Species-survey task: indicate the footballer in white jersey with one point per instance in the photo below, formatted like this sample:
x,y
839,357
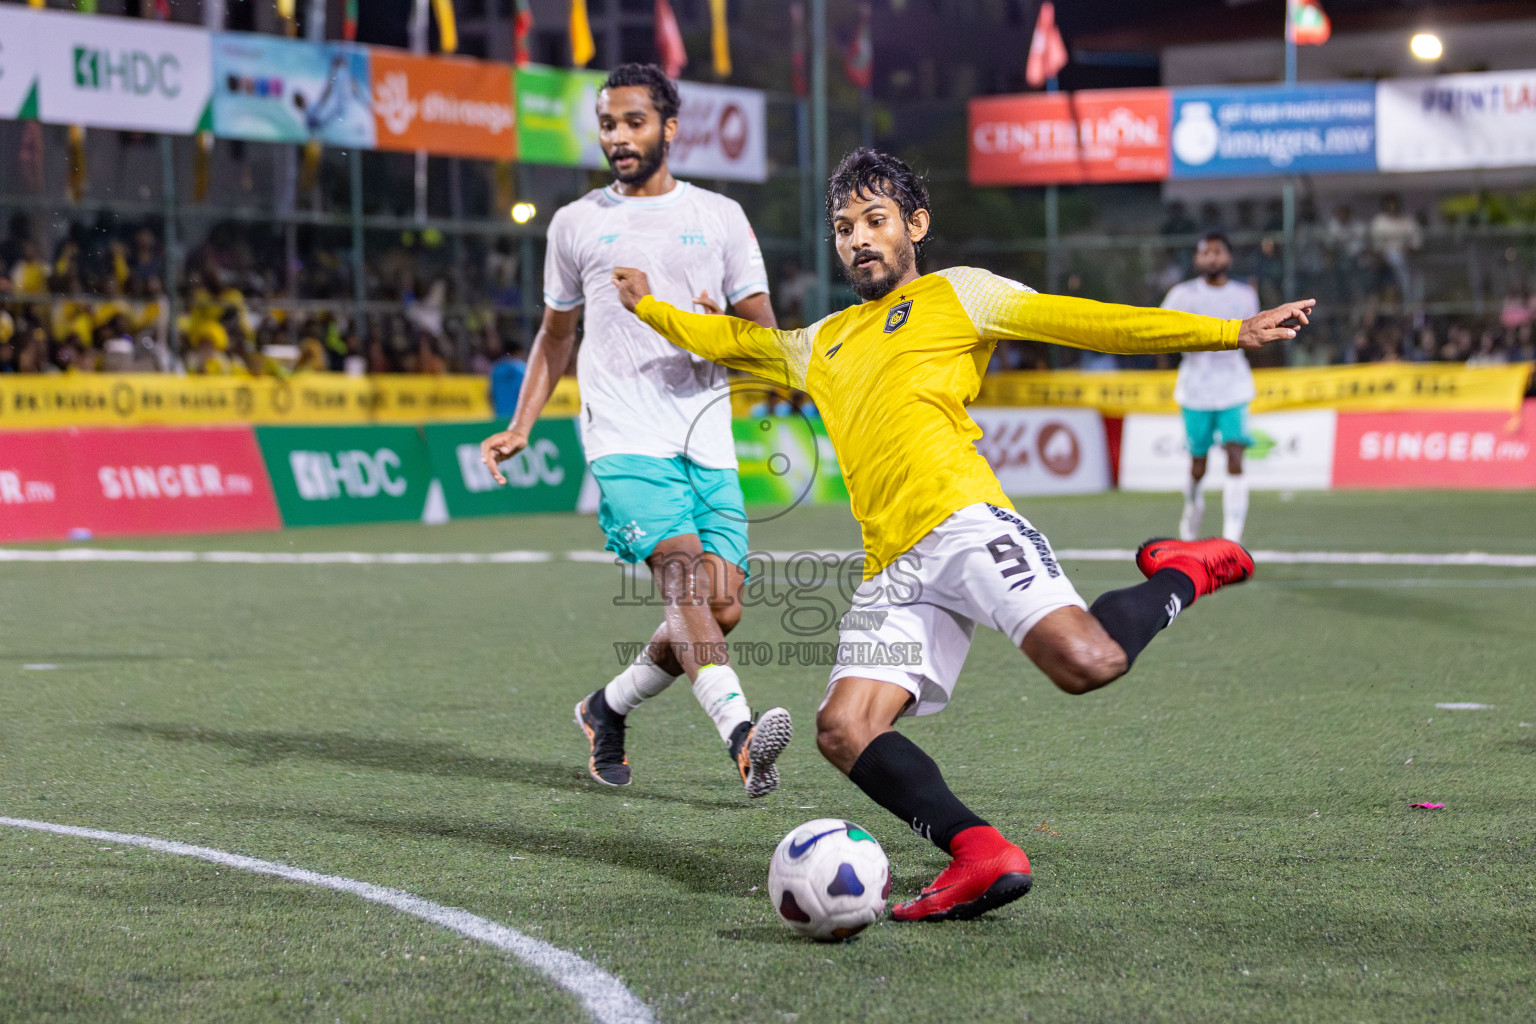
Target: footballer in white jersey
x,y
1214,388
655,420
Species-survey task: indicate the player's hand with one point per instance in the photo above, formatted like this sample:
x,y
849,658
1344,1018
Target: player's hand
x,y
632,284
1270,325
498,448
710,305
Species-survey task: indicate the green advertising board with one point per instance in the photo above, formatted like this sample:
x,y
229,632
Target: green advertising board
x,y
556,119
787,461
362,474
544,477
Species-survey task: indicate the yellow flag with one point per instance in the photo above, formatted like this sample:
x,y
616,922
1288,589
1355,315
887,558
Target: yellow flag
x,y
583,49
720,38
285,10
447,26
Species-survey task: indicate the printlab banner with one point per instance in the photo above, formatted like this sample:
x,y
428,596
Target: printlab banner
x,y
56,484
1253,132
328,475
1456,122
271,89
544,477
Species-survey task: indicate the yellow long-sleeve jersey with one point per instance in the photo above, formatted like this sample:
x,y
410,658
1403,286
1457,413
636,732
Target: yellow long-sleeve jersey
x,y
892,378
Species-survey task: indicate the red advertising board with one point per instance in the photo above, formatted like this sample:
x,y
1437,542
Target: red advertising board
x,y
1436,449
454,107
1070,138
56,484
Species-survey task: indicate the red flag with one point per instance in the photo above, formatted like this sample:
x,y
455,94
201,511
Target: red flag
x,y
349,22
1307,24
522,28
859,58
669,40
798,80
1047,51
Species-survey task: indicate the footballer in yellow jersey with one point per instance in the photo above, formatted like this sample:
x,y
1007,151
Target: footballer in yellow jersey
x,y
945,547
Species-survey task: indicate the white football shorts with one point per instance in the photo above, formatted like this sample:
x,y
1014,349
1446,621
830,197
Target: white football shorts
x,y
911,624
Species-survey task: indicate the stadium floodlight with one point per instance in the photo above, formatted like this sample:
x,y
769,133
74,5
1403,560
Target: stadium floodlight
x,y
1426,46
523,212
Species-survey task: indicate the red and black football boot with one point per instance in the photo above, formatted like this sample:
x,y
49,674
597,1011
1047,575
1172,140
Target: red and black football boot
x,y
605,734
1209,564
987,872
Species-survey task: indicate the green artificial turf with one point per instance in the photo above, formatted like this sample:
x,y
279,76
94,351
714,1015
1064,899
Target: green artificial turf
x,y
1223,835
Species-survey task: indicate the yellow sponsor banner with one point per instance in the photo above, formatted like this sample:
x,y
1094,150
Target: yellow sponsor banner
x,y
1370,387
119,400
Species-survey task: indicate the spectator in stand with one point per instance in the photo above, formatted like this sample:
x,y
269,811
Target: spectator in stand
x,y
1394,234
1344,242
1516,312
795,286
1488,351
508,369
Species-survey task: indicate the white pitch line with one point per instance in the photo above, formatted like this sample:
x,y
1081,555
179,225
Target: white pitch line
x,y
603,995
1464,558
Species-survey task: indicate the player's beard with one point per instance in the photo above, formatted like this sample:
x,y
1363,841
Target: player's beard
x,y
649,162
877,280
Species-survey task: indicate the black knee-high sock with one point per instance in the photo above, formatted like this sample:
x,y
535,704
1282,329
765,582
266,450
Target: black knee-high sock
x,y
896,774
1135,615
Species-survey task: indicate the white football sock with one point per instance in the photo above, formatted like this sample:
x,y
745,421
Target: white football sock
x,y
1194,510
1234,507
719,694
636,685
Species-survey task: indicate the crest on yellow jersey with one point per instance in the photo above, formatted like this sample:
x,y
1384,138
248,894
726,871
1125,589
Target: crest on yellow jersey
x,y
898,316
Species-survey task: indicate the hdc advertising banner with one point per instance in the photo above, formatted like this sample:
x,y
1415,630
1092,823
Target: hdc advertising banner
x,y
1436,449
270,89
1045,451
111,483
18,62
1253,132
1291,451
722,132
544,477
1069,138
328,475
123,73
442,105
1457,121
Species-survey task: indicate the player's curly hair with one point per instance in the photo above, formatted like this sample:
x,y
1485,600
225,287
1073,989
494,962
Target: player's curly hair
x,y
871,172
663,90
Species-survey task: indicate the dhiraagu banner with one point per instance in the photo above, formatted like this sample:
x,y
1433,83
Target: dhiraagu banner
x,y
544,477
123,73
271,89
329,475
556,118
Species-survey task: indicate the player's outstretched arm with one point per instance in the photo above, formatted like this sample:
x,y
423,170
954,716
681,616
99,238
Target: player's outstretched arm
x,y
778,356
547,362
1278,324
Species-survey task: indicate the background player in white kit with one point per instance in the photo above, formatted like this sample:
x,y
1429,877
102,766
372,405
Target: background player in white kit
x,y
1214,388
656,420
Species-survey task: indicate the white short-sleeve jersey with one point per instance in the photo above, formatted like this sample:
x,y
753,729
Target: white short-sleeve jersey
x,y
640,394
1213,380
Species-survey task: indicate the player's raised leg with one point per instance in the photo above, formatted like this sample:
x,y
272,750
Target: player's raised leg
x,y
853,731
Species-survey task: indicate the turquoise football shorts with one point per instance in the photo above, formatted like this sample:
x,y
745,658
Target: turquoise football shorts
x,y
1203,426
648,499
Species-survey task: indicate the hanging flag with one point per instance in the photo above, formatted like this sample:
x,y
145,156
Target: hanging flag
x,y
859,58
1307,25
75,184
285,9
797,49
202,166
583,49
1047,51
83,6
30,156
720,38
522,28
163,9
669,40
447,26
349,22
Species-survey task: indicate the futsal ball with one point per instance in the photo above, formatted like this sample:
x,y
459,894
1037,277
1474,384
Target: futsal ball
x,y
829,879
